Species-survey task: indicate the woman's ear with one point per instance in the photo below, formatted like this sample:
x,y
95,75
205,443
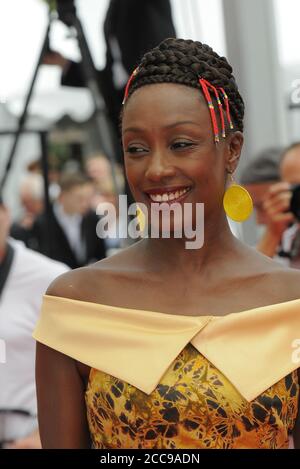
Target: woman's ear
x,y
235,142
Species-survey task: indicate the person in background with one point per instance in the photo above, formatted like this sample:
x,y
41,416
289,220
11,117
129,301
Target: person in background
x,y
69,233
257,177
32,201
262,178
124,47
278,205
281,237
24,277
98,169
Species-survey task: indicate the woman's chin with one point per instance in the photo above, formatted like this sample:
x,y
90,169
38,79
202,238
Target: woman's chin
x,y
173,229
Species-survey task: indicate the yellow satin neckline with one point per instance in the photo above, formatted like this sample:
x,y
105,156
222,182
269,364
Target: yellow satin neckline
x,y
252,348
195,316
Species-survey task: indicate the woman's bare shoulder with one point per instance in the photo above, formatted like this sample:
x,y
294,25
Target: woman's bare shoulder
x,y
287,280
281,281
96,281
69,284
272,280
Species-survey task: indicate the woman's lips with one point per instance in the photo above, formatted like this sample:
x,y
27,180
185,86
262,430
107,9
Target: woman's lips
x,y
158,204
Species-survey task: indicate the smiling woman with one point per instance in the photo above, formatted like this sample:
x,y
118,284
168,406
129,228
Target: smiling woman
x,y
160,346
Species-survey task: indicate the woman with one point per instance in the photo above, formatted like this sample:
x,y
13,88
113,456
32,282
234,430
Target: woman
x,y
160,346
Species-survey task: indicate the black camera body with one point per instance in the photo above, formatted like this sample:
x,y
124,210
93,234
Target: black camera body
x,y
66,11
295,201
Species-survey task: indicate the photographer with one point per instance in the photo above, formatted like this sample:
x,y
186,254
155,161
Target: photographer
x,y
282,235
131,27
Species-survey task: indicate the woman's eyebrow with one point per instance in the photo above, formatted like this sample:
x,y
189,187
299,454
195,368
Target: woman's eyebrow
x,y
177,123
168,126
133,129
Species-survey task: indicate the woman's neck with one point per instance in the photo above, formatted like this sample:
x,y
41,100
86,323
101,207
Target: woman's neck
x,y
166,254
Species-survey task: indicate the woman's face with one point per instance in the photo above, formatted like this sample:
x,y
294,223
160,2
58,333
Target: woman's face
x,y
169,147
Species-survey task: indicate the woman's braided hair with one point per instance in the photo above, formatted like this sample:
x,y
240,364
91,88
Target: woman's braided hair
x,y
183,61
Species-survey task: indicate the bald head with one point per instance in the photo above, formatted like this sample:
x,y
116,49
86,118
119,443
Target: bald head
x,y
32,193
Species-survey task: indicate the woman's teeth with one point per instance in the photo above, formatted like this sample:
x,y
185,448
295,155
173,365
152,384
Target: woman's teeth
x,y
168,195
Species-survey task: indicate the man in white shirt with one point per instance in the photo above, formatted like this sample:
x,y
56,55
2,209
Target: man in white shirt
x,y
26,280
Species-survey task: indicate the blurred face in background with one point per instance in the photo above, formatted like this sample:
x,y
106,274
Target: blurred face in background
x,y
4,227
31,204
78,199
32,194
98,168
258,192
290,166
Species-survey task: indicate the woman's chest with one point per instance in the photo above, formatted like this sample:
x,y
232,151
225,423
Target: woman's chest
x,y
194,405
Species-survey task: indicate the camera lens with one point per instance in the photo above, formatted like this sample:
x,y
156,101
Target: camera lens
x,y
295,201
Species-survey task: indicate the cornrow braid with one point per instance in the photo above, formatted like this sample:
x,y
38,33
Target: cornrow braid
x,y
183,62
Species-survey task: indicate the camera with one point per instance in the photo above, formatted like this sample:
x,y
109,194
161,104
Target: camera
x,y
295,201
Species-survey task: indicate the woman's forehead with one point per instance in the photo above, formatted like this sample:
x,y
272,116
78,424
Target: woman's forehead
x,y
165,102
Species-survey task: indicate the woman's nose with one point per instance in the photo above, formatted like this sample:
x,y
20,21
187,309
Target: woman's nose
x,y
159,167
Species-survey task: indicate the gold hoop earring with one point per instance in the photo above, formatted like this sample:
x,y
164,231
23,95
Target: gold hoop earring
x,y
140,217
237,202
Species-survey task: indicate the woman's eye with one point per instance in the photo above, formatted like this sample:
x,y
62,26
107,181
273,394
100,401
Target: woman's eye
x,y
181,145
134,149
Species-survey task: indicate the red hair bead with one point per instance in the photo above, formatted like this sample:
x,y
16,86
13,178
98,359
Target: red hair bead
x,y
227,107
204,85
134,73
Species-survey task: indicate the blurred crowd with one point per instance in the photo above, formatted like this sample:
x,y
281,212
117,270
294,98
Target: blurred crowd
x,y
34,249
66,231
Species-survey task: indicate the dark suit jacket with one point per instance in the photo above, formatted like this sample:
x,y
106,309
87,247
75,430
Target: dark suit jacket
x,y
48,237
